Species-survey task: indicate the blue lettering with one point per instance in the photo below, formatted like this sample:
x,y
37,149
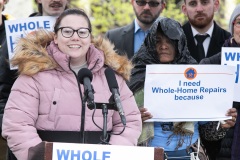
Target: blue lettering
x,y
62,154
230,56
11,44
238,56
95,156
46,24
23,26
31,25
154,89
87,154
237,73
11,41
77,155
106,155
38,25
13,28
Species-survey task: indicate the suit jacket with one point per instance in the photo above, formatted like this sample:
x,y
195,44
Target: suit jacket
x,y
219,35
123,39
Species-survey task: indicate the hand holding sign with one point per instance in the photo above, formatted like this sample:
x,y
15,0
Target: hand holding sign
x,y
145,115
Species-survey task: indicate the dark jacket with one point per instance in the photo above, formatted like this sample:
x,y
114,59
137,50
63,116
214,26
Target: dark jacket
x,y
5,75
236,139
219,35
2,31
123,39
147,54
226,148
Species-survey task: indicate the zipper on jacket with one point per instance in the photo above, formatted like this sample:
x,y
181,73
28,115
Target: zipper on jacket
x,y
82,127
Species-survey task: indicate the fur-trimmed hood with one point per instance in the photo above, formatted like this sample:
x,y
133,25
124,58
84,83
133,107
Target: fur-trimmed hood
x,y
32,55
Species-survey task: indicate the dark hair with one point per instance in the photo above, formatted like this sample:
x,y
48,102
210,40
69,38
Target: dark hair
x,y
72,11
40,7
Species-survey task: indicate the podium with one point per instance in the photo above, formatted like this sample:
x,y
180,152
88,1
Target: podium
x,y
44,151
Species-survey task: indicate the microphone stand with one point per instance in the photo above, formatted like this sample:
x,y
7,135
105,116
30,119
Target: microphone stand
x,y
105,113
83,118
105,107
90,104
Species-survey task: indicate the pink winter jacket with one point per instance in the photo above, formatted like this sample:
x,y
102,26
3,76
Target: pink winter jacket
x,y
46,95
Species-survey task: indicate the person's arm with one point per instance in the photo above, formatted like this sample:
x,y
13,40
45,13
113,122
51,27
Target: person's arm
x,y
7,78
20,116
133,119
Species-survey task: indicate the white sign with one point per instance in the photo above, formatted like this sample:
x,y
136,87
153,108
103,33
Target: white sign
x,y
188,92
73,151
231,57
20,27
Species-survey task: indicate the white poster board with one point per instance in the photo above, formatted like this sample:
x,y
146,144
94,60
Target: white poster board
x,y
231,56
188,92
20,27
73,151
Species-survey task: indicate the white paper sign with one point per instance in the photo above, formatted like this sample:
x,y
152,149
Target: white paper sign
x,y
20,27
231,57
188,92
73,151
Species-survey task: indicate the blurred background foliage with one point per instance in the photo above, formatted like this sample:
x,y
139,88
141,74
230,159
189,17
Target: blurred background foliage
x,y
109,14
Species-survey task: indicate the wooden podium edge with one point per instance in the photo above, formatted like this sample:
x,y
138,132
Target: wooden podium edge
x,y
48,150
158,153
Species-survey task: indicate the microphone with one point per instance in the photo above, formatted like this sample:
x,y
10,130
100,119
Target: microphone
x,y
113,87
85,77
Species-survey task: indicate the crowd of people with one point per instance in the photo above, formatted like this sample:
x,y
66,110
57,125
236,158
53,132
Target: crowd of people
x,y
44,96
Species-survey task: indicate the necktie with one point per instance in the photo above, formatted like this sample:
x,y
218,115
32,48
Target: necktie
x,y
200,39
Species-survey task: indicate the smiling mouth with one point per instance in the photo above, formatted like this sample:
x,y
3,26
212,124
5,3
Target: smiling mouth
x,y
74,46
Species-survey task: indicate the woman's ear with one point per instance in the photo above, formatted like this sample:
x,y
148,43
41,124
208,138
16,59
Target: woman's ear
x,y
55,38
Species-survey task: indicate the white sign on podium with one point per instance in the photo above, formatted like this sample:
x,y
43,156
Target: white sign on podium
x,y
73,151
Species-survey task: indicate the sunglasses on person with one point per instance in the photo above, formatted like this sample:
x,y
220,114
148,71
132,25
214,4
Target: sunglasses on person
x,y
150,3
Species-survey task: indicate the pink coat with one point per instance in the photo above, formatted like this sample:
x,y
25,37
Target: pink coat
x,y
50,100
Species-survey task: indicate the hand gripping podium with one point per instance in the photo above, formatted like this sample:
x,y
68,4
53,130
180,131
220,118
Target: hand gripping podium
x,y
65,151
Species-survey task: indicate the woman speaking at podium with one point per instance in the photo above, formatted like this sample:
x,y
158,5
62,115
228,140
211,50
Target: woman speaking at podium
x,y
46,98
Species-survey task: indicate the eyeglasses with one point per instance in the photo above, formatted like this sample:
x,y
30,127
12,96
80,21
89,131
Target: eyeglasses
x,y
68,32
237,23
150,3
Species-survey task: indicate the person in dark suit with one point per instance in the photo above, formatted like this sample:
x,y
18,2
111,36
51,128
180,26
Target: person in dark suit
x,y
128,39
200,16
230,143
